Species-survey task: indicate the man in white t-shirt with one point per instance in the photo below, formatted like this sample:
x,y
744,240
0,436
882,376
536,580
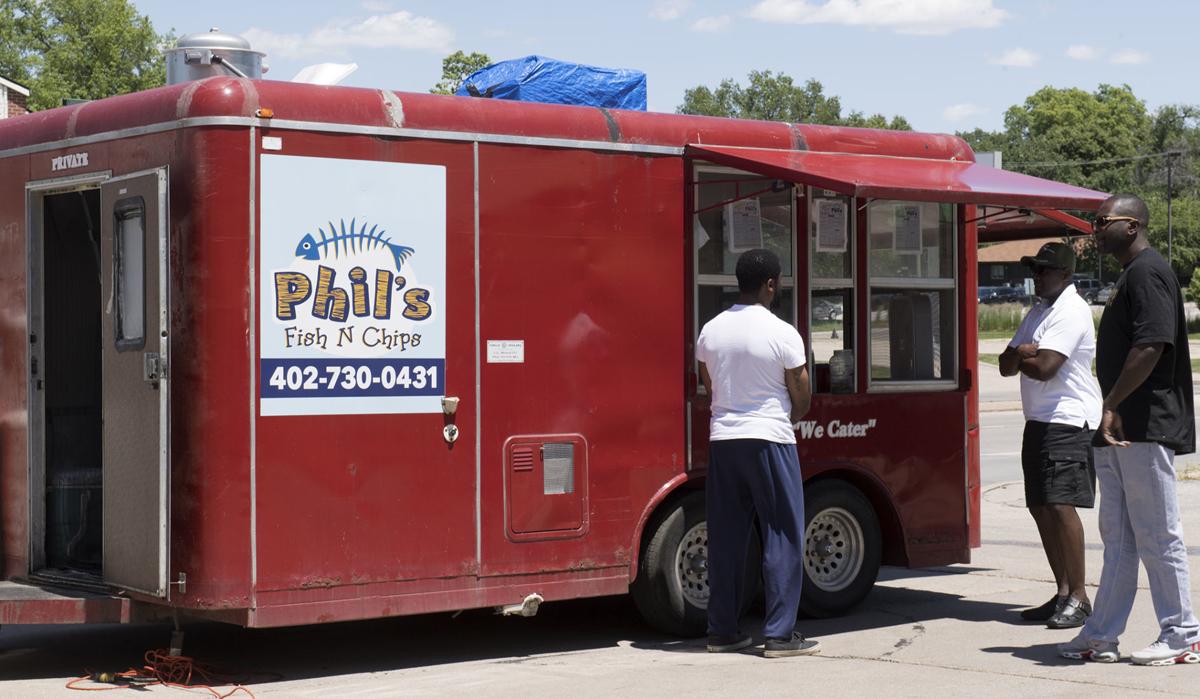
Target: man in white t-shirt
x,y
1053,351
753,366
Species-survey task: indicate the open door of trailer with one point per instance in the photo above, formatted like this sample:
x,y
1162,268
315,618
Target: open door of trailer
x,y
134,324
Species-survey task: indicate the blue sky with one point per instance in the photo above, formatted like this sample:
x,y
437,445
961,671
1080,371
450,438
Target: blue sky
x,y
946,65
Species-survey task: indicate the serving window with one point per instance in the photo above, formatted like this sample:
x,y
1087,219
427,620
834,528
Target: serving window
x,y
913,295
831,254
736,212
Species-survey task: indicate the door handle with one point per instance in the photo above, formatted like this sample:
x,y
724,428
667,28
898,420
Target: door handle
x,y
152,368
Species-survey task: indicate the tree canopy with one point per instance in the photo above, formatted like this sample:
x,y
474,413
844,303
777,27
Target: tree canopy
x,y
85,49
775,97
456,68
1107,140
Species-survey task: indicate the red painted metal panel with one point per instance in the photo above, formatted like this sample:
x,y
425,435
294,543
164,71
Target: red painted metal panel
x,y
968,253
900,144
360,499
14,371
210,190
29,604
911,179
582,258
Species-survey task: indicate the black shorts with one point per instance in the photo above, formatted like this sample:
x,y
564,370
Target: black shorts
x,y
1058,466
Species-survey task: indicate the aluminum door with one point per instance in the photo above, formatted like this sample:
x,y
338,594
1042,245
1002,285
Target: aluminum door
x,y
133,291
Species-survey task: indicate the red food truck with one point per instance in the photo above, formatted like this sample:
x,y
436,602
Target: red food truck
x,y
282,354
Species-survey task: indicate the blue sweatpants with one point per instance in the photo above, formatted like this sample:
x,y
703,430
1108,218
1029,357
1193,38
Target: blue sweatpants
x,y
748,477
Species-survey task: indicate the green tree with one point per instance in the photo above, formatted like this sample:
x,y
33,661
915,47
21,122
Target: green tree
x,y
1071,128
456,68
86,49
1106,140
775,97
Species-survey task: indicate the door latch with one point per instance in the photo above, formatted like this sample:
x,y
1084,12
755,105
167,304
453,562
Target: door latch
x,y
152,367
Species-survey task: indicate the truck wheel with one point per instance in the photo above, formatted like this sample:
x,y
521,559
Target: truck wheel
x,y
842,548
671,588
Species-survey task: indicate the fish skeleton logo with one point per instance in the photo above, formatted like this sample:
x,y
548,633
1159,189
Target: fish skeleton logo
x,y
359,248
340,242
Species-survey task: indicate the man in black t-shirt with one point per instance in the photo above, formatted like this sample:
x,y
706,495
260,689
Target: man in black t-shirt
x,y
1145,373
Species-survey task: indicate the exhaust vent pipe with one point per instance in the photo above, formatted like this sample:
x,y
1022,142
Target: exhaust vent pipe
x,y
203,55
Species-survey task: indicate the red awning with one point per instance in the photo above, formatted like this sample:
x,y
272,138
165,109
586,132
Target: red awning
x,y
909,179
1025,224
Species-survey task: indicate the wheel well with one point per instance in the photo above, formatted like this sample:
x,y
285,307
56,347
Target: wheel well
x,y
894,551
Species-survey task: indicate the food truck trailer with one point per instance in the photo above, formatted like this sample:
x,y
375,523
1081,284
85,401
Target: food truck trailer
x,y
282,354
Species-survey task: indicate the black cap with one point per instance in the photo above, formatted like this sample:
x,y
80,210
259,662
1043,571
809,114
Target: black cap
x,y
1058,255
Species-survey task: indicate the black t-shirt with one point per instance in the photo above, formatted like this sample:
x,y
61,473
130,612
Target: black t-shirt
x,y
1147,308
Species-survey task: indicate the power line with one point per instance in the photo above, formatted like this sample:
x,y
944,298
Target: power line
x,y
1105,161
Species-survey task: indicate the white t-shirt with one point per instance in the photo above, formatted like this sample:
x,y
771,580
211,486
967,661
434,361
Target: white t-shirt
x,y
746,350
1072,396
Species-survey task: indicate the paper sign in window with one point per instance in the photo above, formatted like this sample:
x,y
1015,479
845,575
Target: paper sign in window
x,y
743,225
908,228
831,225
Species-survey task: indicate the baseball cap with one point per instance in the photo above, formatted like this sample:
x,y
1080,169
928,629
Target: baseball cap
x,y
1059,255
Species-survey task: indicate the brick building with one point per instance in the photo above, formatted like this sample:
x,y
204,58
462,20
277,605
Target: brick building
x,y
13,98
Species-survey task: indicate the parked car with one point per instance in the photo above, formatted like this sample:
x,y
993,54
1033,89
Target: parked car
x,y
1103,295
827,309
1087,287
1003,294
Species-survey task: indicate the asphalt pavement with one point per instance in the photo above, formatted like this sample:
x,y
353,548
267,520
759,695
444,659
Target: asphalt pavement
x,y
951,631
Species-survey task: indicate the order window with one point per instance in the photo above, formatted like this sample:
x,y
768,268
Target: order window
x,y
912,281
831,224
736,212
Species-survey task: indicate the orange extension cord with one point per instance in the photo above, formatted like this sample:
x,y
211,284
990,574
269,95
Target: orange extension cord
x,y
160,668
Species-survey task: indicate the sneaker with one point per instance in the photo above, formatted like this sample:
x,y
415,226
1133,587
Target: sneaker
x,y
1079,648
1045,611
1161,653
796,645
728,644
1072,614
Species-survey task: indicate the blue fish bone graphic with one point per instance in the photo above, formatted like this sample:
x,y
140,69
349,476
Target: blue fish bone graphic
x,y
340,242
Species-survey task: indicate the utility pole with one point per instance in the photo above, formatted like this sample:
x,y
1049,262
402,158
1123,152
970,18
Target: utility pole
x,y
1170,229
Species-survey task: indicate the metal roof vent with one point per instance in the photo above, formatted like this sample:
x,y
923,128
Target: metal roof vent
x,y
203,55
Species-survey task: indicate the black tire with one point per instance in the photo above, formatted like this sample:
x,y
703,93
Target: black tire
x,y
670,598
842,548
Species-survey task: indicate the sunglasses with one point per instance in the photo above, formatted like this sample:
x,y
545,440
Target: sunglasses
x,y
1103,221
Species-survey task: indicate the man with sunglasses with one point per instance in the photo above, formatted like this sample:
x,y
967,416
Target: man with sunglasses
x,y
1145,374
1053,350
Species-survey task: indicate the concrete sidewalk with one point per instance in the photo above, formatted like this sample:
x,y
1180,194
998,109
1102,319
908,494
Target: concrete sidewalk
x,y
944,632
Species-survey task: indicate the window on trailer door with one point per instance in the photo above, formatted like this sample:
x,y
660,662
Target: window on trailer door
x,y
130,259
913,288
736,212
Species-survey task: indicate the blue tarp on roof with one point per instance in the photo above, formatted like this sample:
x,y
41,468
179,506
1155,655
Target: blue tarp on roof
x,y
541,79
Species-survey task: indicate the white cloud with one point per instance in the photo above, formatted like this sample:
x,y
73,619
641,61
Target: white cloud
x,y
667,10
1016,58
904,16
402,30
1082,52
1129,57
711,24
959,112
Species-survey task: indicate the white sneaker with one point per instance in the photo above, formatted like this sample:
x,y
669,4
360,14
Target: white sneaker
x,y
1080,648
1161,653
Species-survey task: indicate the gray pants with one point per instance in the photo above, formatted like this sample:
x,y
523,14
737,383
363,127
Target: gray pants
x,y
1139,518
